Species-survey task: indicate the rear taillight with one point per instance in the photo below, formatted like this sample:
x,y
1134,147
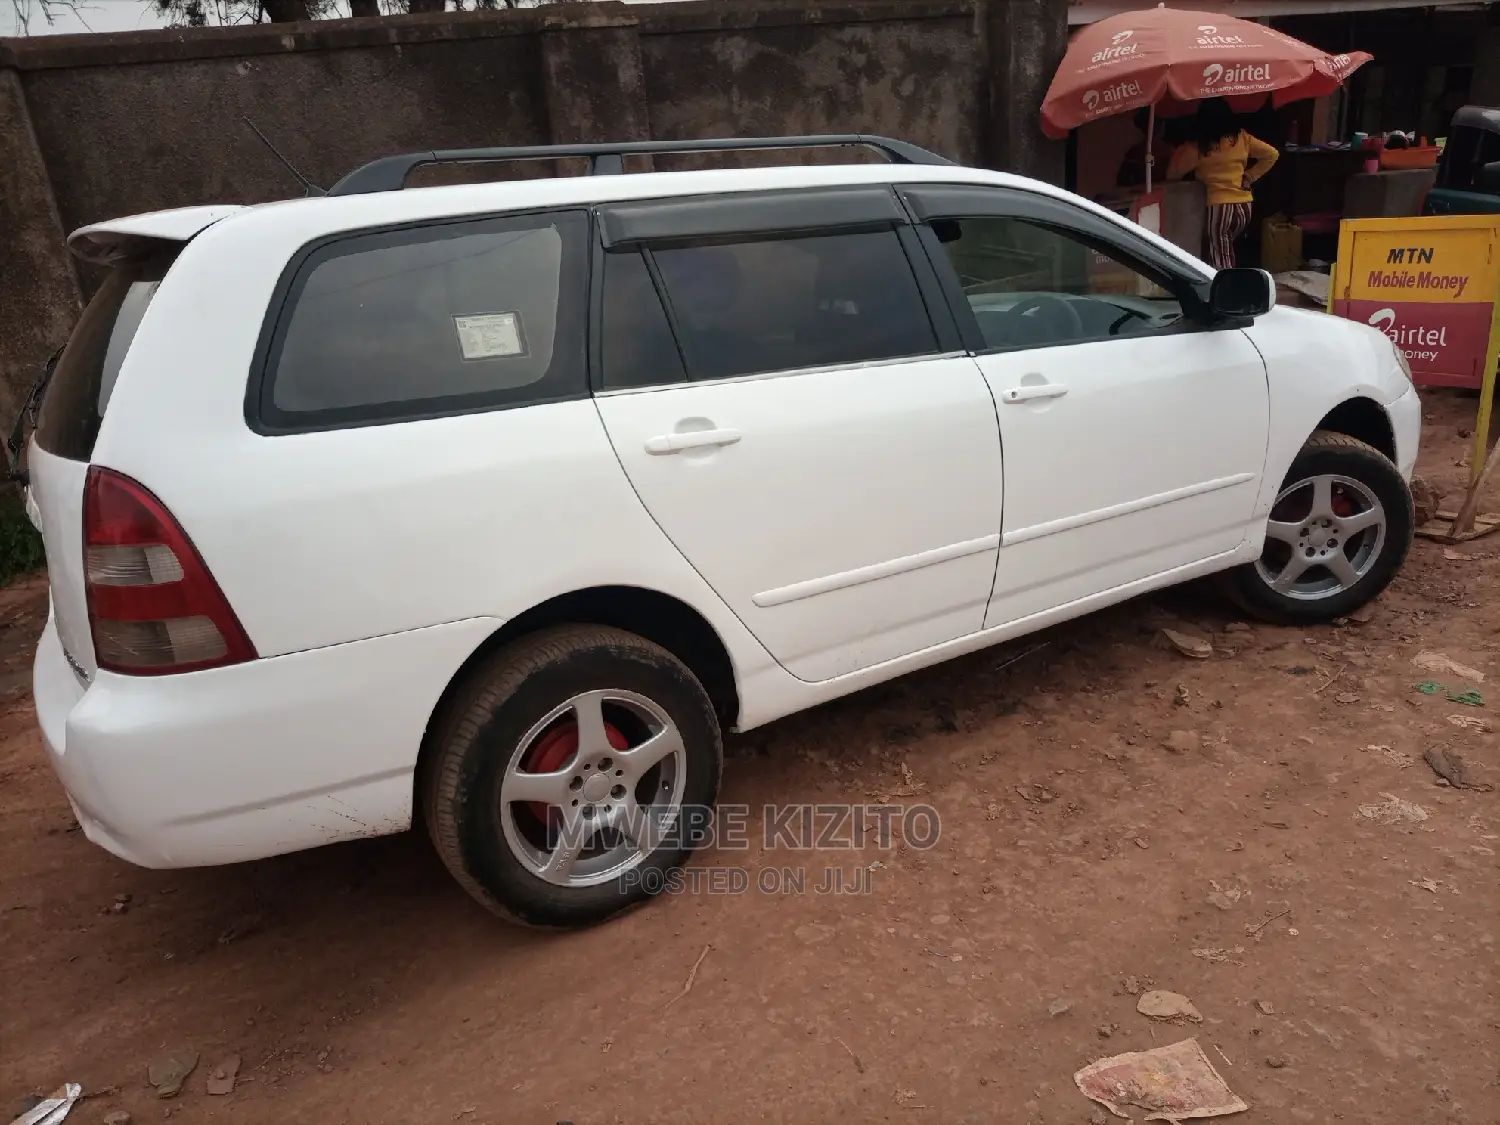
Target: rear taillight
x,y
153,606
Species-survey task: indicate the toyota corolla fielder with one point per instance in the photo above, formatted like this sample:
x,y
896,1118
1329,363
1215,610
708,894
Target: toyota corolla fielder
x,y
502,501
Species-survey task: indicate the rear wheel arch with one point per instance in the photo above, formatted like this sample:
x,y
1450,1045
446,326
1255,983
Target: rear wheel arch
x,y
660,618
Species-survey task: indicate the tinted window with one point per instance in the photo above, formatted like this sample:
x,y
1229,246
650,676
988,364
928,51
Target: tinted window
x,y
786,303
637,346
1468,151
1033,286
84,378
461,316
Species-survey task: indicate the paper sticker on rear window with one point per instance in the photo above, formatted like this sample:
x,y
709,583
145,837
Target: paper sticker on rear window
x,y
491,336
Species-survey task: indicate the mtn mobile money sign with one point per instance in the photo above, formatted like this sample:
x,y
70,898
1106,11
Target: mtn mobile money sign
x,y
1430,285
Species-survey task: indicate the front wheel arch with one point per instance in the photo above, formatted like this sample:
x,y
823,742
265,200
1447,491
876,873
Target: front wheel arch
x,y
1330,454
1363,419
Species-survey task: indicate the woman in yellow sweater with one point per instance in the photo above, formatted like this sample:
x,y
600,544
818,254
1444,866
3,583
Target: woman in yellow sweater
x,y
1226,160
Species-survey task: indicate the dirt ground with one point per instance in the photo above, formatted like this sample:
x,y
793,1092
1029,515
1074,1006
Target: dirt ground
x,y
1345,968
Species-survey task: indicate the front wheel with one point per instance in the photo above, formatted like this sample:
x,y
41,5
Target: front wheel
x,y
567,777
1338,532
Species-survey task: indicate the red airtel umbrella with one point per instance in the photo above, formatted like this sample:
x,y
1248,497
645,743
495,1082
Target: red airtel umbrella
x,y
1166,56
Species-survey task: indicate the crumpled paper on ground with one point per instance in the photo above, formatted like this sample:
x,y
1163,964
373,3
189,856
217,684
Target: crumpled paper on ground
x,y
1172,1083
53,1108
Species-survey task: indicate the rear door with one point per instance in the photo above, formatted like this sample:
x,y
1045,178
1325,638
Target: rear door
x,y
783,386
68,423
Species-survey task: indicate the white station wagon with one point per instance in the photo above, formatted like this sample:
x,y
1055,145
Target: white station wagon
x,y
502,501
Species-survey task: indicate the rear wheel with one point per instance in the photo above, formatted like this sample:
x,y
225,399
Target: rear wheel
x,y
567,776
1338,532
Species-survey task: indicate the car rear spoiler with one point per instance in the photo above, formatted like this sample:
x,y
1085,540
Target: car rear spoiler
x,y
105,244
118,240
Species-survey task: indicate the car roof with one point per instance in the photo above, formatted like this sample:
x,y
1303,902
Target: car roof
x,y
314,217
527,194
542,193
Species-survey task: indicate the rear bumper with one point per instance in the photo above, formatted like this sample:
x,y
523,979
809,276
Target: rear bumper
x,y
238,763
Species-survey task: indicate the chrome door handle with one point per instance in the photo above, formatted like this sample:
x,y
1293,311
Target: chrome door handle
x,y
691,439
1033,391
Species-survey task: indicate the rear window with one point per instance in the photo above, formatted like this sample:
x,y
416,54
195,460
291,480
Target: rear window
x,y
432,320
81,385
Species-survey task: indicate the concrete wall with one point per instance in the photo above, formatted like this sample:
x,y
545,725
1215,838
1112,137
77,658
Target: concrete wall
x,y
97,126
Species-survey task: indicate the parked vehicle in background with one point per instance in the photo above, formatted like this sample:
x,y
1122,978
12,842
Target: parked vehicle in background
x,y
1468,172
505,500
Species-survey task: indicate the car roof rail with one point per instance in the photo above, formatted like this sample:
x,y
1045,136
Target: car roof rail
x,y
389,173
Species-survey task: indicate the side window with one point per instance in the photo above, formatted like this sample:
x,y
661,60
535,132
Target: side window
x,y
1033,286
437,319
637,345
1460,165
776,304
1489,152
1469,150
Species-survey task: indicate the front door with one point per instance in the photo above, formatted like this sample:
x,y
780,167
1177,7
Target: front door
x,y
793,423
1134,438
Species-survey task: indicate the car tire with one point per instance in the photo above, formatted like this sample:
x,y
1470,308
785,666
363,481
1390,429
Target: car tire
x,y
1341,500
568,718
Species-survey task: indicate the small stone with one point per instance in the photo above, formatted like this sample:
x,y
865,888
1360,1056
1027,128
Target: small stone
x,y
1106,1030
123,899
1131,986
1098,1118
169,1071
117,1117
1159,1004
1237,627
1193,647
221,1078
1426,500
1182,742
1275,1062
939,919
1220,899
1059,1008
1265,1007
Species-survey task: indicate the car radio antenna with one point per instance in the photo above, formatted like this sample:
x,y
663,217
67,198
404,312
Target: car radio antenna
x,y
311,188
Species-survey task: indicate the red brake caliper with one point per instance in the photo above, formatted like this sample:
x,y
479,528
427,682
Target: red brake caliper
x,y
553,751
